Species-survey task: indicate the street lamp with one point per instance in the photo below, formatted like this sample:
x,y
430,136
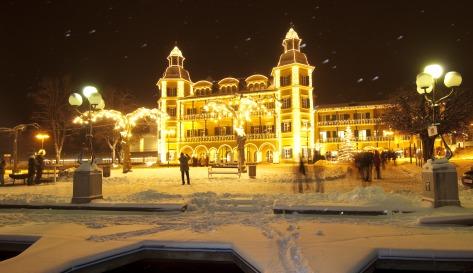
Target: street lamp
x,y
307,131
389,134
426,82
96,102
168,132
87,181
42,137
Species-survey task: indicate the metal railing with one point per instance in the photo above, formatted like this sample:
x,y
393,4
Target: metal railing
x,y
357,139
201,116
262,136
349,122
227,137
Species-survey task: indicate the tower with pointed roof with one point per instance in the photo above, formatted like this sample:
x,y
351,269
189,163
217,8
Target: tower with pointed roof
x,y
173,85
293,79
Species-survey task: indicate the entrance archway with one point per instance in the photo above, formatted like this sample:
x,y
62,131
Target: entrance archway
x,y
267,151
224,154
251,153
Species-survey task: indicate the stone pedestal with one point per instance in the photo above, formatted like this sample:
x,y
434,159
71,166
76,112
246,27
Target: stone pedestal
x,y
440,183
87,184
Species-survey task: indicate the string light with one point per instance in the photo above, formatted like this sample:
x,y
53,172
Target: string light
x,y
124,123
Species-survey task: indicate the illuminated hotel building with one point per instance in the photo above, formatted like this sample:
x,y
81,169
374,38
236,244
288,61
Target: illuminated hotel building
x,y
287,129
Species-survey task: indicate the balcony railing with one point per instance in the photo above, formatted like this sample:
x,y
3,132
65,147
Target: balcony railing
x,y
357,139
349,122
209,138
228,137
201,116
262,136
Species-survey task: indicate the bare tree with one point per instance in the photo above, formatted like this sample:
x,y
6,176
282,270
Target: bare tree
x,y
411,114
52,109
121,101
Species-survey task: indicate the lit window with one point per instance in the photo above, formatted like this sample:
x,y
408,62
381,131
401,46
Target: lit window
x,y
286,126
171,111
286,103
287,152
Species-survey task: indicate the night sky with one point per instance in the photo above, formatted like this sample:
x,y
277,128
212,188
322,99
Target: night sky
x,y
362,50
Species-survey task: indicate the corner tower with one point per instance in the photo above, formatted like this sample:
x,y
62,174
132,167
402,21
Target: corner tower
x,y
293,82
173,85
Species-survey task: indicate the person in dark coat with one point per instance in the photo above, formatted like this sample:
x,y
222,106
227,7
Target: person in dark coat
x,y
31,169
39,166
2,170
184,167
377,164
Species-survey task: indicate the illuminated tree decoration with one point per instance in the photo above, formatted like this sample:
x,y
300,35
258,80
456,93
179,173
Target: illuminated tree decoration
x,y
348,147
124,123
240,110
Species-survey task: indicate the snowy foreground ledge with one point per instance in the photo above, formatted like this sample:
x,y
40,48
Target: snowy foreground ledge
x,y
303,247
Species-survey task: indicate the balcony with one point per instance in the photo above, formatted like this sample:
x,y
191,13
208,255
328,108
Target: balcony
x,y
261,136
209,138
228,138
202,116
357,139
371,121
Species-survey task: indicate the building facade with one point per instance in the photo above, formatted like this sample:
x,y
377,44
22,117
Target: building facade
x,y
289,128
364,120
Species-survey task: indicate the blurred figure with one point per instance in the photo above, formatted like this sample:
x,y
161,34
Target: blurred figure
x,y
39,160
31,169
319,175
184,167
301,176
2,169
377,164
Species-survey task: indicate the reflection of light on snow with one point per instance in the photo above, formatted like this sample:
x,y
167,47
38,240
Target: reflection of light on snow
x,y
359,80
375,78
326,61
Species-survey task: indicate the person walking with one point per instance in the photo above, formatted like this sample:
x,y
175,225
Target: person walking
x,y
39,166
377,164
31,169
2,169
184,167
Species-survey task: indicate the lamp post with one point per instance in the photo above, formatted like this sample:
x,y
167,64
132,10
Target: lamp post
x,y
426,85
439,176
168,132
42,137
307,131
87,181
389,134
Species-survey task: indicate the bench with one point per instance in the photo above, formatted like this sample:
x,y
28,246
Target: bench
x,y
16,176
223,169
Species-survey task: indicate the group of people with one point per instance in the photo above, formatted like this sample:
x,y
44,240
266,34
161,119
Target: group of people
x,y
200,161
35,167
366,161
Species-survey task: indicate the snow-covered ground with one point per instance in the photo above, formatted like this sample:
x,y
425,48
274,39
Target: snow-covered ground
x,y
221,208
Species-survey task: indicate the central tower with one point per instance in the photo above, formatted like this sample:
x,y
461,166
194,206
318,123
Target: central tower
x,y
293,80
173,85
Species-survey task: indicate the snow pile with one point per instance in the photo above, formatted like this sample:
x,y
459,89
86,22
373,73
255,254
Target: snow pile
x,y
326,170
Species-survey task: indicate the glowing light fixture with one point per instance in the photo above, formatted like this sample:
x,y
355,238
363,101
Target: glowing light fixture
x,y
95,99
89,90
424,82
435,70
452,79
75,99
